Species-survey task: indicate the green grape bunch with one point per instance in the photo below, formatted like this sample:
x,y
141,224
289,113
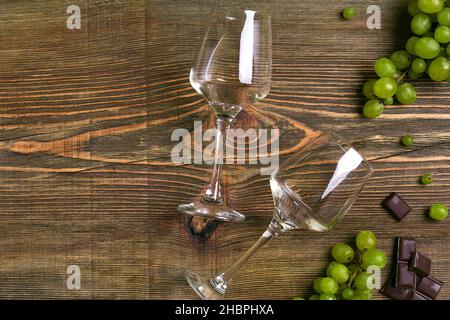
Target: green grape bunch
x,y
349,276
427,53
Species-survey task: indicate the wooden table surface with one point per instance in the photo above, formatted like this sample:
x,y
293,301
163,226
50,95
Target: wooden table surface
x,y
86,176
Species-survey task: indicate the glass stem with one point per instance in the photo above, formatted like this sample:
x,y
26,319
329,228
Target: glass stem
x,y
220,283
213,192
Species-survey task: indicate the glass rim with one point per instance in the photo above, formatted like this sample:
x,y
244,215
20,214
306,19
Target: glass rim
x,y
262,15
340,142
344,145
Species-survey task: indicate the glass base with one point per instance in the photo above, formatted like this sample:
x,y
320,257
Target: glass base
x,y
203,288
211,210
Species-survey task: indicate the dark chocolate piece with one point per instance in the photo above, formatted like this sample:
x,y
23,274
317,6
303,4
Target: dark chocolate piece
x,y
405,284
396,293
429,286
420,264
415,295
396,206
405,248
405,278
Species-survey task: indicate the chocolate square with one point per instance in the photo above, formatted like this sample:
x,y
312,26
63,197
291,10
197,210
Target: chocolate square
x,y
405,278
396,293
429,286
390,291
420,264
415,295
405,248
396,206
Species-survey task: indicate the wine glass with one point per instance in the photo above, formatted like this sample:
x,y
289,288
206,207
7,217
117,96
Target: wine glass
x,y
232,70
313,189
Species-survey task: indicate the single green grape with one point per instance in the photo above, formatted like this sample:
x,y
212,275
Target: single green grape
x,y
411,44
342,253
420,24
419,65
314,297
363,294
328,285
444,17
348,293
338,272
438,212
373,109
331,265
426,179
430,6
385,68
385,88
366,240
407,140
316,285
401,59
327,296
406,94
427,48
348,13
364,281
413,7
373,257
368,88
439,69
442,34
388,101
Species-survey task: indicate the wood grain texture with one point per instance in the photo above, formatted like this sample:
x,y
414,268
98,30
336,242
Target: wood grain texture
x,y
86,176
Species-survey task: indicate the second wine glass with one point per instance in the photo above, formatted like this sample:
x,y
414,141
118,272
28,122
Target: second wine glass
x,y
312,190
232,70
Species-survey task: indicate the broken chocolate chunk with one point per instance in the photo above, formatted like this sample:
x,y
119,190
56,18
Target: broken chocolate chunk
x,y
396,293
405,248
429,286
405,278
420,264
415,295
